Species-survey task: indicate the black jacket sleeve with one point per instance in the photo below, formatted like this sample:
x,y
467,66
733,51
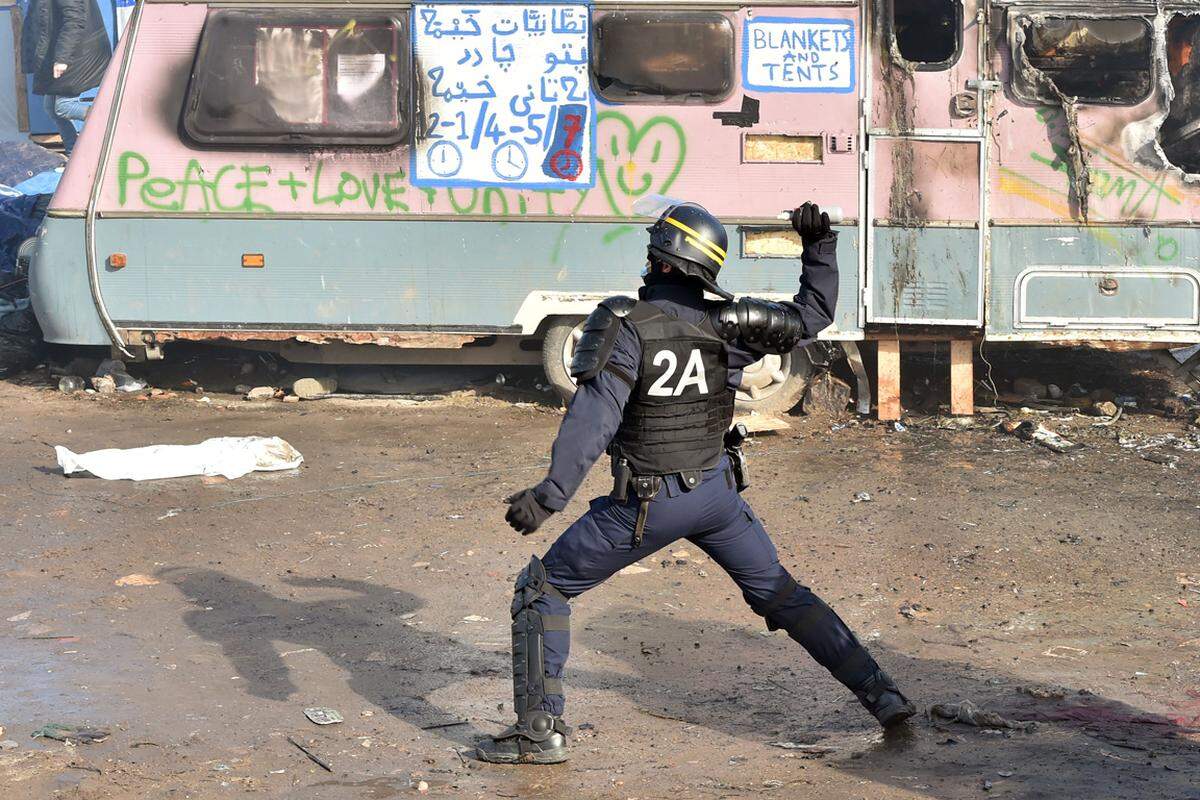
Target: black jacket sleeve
x,y
72,27
816,300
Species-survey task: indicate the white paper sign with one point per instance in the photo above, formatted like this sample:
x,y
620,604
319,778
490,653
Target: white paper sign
x,y
508,98
784,54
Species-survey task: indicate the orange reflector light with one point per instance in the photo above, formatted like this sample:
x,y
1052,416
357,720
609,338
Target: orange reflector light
x,y
117,261
256,260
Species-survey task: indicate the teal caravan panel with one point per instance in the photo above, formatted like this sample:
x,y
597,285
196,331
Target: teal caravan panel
x,y
389,274
58,285
1064,277
926,275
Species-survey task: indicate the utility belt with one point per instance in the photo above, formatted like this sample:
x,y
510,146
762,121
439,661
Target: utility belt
x,y
647,487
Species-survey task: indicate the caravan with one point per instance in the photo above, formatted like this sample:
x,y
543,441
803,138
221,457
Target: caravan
x,y
452,182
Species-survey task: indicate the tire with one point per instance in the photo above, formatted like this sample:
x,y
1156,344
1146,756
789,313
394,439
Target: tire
x,y
770,387
557,347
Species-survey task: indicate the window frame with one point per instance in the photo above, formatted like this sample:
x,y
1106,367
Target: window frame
x,y
1022,90
928,66
407,109
694,15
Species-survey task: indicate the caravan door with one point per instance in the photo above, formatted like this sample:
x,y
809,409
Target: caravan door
x,y
926,164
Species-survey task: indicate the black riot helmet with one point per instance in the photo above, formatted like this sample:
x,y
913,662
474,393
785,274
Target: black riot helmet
x,y
693,241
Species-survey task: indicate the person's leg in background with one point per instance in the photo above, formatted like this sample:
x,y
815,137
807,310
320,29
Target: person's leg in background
x,y
68,114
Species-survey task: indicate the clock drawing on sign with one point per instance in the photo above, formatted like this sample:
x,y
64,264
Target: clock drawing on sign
x,y
445,159
509,161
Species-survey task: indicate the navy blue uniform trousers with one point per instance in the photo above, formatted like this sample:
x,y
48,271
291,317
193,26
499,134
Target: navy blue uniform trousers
x,y
714,518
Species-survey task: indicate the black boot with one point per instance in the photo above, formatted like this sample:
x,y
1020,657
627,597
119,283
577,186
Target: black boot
x,y
541,738
884,700
874,688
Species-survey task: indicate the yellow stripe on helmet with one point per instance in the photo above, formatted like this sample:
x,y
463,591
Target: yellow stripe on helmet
x,y
707,250
701,242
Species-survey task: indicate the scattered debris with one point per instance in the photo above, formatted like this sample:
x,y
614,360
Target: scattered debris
x,y
73,734
8,744
261,393
229,456
1166,459
70,384
104,384
324,716
313,757
24,615
1044,692
862,497
633,569
968,713
136,579
1031,389
423,786
314,388
1065,651
475,618
828,395
1054,391
1029,431
913,611
1106,408
811,750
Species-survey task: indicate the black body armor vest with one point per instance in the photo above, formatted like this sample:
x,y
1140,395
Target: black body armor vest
x,y
681,406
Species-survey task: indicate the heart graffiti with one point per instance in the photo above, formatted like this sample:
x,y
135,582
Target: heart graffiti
x,y
633,161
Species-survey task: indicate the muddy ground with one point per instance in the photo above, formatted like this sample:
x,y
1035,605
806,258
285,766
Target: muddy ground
x,y
1058,589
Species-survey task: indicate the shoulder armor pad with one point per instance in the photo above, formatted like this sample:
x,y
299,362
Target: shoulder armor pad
x,y
766,326
599,334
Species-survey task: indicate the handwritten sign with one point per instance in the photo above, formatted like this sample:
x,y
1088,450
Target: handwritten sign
x,y
782,54
507,96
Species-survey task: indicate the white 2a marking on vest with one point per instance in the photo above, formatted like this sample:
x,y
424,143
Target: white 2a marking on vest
x,y
693,374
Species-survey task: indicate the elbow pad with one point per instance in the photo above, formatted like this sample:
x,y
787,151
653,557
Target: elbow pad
x,y
774,327
599,335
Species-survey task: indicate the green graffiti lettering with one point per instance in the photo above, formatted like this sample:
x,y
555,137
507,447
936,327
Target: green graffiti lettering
x,y
216,181
460,208
247,185
493,195
318,200
346,185
1167,249
293,185
194,176
393,188
125,175
156,189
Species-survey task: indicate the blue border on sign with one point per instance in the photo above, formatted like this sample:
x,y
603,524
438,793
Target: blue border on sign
x,y
849,23
462,183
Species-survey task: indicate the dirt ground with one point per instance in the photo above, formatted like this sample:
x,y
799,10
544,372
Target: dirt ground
x,y
1058,589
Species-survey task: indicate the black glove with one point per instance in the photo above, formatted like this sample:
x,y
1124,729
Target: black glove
x,y
811,223
525,513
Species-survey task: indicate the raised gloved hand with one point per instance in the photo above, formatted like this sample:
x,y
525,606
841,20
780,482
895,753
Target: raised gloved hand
x,y
525,513
811,223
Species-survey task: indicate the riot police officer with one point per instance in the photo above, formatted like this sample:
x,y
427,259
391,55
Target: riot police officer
x,y
657,377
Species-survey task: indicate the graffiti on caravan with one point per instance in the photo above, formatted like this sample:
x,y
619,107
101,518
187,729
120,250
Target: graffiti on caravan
x,y
783,54
510,102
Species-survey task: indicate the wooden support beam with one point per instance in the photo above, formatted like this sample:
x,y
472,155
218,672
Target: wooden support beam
x,y
962,378
889,379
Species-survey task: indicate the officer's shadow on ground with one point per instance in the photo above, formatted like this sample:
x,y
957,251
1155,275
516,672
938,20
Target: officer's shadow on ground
x,y
393,663
766,689
1086,745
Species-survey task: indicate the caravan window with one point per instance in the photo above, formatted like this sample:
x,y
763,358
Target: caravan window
x,y
663,56
928,33
300,77
1100,61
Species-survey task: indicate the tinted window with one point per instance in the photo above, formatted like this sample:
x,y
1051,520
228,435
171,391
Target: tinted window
x,y
302,77
928,33
666,56
1101,61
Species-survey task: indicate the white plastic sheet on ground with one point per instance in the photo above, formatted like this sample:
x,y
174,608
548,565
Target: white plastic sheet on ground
x,y
228,456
